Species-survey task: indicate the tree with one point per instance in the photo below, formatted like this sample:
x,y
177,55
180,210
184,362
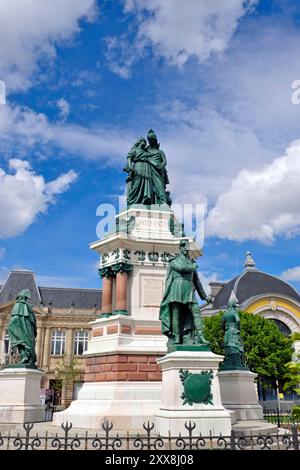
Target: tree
x,y
292,375
267,350
67,371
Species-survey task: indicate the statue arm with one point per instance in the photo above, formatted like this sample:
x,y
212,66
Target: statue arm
x,y
130,160
199,287
163,160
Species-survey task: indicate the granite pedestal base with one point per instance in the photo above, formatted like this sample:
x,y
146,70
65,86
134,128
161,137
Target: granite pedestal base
x,y
127,405
173,413
20,395
238,394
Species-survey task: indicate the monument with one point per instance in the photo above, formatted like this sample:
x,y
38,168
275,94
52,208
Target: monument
x,y
238,389
20,382
123,380
147,358
190,385
179,311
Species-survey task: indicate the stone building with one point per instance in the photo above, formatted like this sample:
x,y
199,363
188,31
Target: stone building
x,y
262,294
63,316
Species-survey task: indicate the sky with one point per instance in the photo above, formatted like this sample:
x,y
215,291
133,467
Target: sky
x,y
81,80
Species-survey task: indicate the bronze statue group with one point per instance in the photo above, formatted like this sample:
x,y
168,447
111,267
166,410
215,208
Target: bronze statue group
x,y
180,313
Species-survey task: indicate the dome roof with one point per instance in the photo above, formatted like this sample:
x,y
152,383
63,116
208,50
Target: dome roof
x,y
252,282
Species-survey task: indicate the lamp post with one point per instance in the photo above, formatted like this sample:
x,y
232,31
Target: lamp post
x,y
278,398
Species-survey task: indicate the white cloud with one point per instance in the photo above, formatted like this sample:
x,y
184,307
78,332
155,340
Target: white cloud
x,y
206,277
2,92
291,274
64,108
177,30
205,149
30,31
261,204
24,129
2,252
24,195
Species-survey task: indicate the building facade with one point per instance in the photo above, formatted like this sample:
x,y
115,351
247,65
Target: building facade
x,y
63,318
64,314
262,294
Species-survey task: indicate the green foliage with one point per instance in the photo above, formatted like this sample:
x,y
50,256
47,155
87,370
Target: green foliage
x,y
57,385
67,370
292,377
296,413
267,350
295,336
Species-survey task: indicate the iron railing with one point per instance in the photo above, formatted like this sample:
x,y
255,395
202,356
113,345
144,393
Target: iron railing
x,y
67,438
282,418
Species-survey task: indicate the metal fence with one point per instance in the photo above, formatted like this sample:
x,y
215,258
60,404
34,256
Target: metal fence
x,y
282,418
106,439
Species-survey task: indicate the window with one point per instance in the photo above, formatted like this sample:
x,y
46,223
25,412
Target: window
x,y
6,343
80,342
58,343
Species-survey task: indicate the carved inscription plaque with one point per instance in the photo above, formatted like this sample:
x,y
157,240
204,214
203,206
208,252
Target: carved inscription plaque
x,y
152,290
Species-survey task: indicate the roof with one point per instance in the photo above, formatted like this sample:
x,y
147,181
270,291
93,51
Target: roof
x,y
253,283
63,297
58,297
17,281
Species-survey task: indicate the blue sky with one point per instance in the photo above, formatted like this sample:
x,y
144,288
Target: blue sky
x,y
85,78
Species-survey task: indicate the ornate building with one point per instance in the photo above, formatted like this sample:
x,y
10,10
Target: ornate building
x,y
260,293
63,316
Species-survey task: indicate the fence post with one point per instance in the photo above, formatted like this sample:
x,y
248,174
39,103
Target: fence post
x,y
232,441
278,417
295,436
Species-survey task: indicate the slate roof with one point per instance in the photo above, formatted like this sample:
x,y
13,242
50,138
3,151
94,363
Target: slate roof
x,y
62,297
17,281
58,297
254,283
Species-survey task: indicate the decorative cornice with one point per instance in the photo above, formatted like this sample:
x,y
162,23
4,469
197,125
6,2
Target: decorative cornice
x,y
121,267
106,272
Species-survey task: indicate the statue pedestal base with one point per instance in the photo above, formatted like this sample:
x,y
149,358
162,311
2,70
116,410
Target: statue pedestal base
x,y
20,395
238,393
125,405
201,403
122,379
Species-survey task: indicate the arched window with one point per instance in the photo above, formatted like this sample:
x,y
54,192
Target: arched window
x,y
282,327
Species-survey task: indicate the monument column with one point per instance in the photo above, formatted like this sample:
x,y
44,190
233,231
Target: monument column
x,y
107,291
121,270
46,351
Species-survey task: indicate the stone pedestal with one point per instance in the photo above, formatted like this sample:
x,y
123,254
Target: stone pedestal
x,y
125,404
209,415
20,395
122,377
238,393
